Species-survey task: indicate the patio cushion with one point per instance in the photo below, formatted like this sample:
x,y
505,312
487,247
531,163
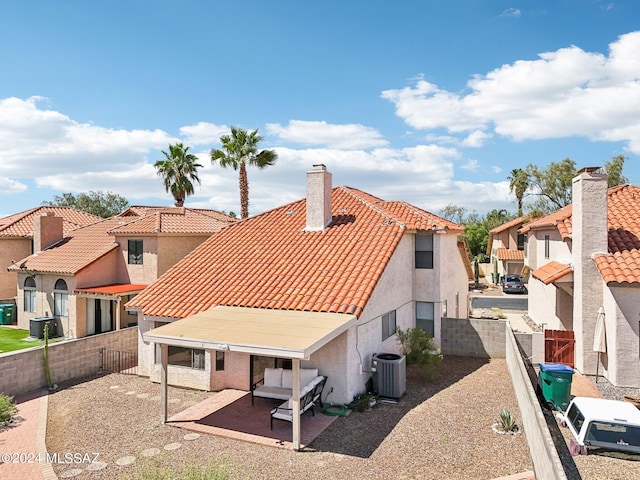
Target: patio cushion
x,y
273,377
272,392
306,375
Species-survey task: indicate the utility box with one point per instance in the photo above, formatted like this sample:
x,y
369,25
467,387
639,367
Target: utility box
x,y
6,314
36,327
389,375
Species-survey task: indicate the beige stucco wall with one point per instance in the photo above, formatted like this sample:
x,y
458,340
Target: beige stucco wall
x,y
622,321
147,272
172,249
550,305
11,249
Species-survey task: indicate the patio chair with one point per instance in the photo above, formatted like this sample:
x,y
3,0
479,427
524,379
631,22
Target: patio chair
x,y
285,411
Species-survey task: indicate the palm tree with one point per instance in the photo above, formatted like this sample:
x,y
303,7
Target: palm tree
x,y
239,150
178,170
518,184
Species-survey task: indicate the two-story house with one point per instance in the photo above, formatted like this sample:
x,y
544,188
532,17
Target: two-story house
x,y
324,280
83,277
585,259
506,246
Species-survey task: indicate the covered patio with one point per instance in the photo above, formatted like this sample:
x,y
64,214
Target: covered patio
x,y
287,334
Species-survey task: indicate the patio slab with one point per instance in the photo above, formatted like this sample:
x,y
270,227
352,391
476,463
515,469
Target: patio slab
x,y
229,414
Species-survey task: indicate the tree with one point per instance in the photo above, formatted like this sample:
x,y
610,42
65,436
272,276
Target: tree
x,y
518,184
239,150
552,185
613,169
477,238
495,218
178,170
103,204
454,213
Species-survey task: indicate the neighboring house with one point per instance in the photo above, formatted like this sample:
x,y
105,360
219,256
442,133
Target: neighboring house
x,y
506,247
84,277
324,280
586,256
17,240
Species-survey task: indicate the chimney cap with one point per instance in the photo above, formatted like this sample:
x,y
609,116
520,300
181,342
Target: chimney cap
x,y
589,170
319,166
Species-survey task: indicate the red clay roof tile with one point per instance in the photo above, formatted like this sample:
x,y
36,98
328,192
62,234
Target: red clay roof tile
x,y
269,261
507,254
552,271
21,224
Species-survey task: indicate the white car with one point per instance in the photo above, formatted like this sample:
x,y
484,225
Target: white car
x,y
596,422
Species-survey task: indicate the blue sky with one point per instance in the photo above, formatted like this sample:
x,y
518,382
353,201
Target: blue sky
x,y
429,101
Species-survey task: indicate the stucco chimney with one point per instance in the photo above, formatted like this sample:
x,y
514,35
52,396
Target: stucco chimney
x,y
47,230
318,199
589,236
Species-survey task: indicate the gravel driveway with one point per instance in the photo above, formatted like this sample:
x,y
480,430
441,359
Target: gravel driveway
x,y
439,430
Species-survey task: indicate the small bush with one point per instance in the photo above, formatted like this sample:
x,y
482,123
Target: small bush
x,y
418,347
363,401
7,408
507,421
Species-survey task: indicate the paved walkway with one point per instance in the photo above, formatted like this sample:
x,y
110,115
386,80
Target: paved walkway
x,y
24,454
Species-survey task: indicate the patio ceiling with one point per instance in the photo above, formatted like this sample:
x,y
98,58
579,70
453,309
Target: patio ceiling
x,y
276,333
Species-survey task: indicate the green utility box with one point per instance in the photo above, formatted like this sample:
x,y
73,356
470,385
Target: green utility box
x,y
555,383
6,314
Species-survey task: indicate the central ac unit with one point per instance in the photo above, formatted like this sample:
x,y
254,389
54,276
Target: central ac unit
x,y
390,374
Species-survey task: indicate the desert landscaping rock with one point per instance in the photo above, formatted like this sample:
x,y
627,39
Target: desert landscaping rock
x,y
114,387
150,452
128,460
174,400
172,446
130,392
142,395
95,466
74,472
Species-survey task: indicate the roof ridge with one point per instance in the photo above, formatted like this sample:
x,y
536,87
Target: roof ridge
x,y
388,216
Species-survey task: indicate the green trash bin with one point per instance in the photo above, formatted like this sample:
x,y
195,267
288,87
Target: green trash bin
x,y
6,314
555,382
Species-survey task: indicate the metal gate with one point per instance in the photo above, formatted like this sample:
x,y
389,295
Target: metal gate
x,y
118,361
559,346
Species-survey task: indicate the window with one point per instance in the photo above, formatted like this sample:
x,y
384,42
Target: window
x,y
388,324
546,246
219,361
522,238
425,317
183,357
60,299
135,252
29,295
424,250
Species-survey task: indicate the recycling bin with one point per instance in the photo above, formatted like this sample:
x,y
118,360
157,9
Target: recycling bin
x,y
555,383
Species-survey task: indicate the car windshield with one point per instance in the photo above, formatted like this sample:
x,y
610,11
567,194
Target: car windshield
x,y
615,436
512,278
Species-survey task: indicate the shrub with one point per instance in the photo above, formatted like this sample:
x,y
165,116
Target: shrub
x,y
507,421
418,347
7,408
363,401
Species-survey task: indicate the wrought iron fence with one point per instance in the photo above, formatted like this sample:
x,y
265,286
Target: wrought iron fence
x,y
118,361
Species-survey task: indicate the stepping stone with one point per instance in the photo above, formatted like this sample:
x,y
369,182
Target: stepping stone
x,y
174,400
130,392
142,395
74,472
155,398
172,446
128,460
192,436
113,387
95,466
150,452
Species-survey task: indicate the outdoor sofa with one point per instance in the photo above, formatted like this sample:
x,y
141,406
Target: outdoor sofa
x,y
277,383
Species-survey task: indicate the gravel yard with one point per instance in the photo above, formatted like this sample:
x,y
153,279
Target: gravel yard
x,y
439,430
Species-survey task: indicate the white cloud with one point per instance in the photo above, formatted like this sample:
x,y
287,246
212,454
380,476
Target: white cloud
x,y
476,139
9,186
496,169
471,165
203,133
344,136
512,12
568,92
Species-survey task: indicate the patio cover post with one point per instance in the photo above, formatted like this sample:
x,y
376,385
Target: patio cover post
x,y
295,401
164,356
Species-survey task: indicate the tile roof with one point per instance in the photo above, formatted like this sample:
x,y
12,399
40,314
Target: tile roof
x,y
113,289
21,224
177,220
561,219
507,254
513,223
552,271
268,261
83,246
622,263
